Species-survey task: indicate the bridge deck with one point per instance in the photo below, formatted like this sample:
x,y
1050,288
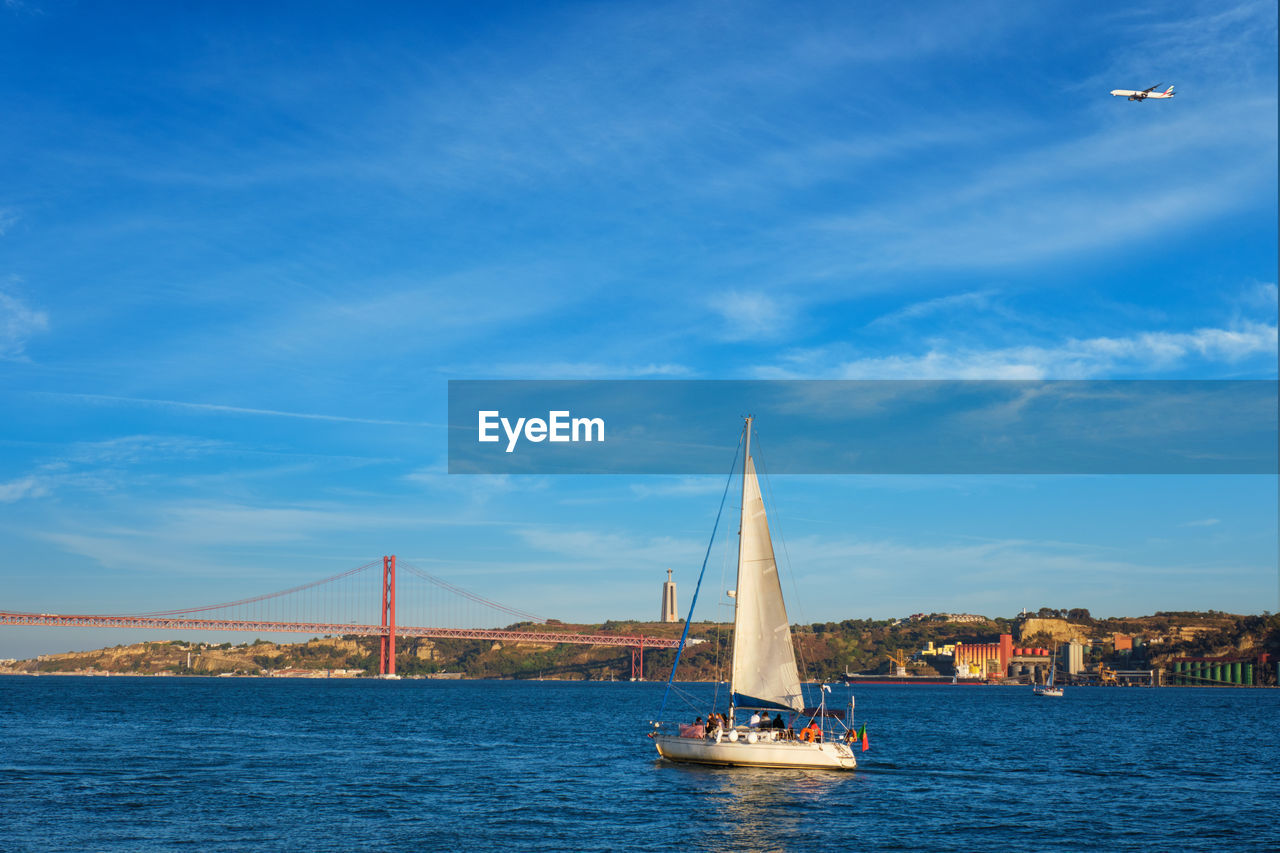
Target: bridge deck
x,y
59,620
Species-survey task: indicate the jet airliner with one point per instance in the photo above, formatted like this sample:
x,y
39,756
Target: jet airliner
x,y
1144,94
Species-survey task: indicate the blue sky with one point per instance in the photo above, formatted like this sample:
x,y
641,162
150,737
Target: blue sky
x,y
243,249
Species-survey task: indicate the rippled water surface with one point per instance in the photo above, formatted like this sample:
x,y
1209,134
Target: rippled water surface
x,y
340,765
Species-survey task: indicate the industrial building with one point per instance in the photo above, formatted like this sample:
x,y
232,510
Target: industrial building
x,y
1001,660
1221,671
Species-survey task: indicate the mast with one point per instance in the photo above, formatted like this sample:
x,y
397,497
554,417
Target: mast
x,y
737,582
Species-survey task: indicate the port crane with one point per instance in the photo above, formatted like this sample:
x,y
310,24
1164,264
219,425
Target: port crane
x,y
898,660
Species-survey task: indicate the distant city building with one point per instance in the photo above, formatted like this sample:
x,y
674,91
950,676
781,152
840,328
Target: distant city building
x,y
1123,642
669,601
930,650
940,617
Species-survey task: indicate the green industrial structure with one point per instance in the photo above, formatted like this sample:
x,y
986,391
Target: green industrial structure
x,y
1192,672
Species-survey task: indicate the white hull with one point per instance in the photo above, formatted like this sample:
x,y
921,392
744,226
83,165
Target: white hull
x,y
785,753
1048,691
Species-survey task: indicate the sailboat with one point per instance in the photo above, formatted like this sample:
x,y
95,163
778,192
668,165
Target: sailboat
x,y
763,675
1048,688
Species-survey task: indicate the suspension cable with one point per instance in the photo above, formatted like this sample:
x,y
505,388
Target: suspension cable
x,y
259,598
479,599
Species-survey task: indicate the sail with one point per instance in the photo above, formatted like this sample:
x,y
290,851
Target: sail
x,y
764,662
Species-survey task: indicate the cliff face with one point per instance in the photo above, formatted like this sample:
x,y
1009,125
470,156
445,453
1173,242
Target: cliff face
x,y
1058,630
824,650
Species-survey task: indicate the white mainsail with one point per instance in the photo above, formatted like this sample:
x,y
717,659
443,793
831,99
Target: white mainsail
x,y
764,662
764,674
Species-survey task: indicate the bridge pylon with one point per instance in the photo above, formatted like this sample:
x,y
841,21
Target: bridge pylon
x,y
637,661
387,659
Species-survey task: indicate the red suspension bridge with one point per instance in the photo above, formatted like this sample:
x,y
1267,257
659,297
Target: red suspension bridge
x,y
340,604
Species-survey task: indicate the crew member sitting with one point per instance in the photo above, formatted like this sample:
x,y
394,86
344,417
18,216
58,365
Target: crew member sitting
x,y
695,730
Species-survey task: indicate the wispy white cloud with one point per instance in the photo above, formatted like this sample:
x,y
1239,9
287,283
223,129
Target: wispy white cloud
x,y
797,161
18,323
1214,39
232,410
137,449
1139,354
970,300
1260,296
573,370
96,467
612,550
476,489
24,487
1204,522
753,315
148,535
110,467
679,487
1062,198
994,576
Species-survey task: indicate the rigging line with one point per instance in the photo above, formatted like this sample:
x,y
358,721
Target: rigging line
x,y
690,701
719,630
259,598
694,603
795,589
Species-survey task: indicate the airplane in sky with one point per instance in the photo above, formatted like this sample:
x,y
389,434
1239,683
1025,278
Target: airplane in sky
x,y
1143,95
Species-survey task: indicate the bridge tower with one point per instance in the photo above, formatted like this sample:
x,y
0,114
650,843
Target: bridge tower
x,y
637,661
387,660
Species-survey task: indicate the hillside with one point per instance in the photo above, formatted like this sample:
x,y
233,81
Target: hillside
x,y
824,650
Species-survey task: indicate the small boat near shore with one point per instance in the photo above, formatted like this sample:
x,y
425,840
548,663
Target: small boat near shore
x,y
1049,688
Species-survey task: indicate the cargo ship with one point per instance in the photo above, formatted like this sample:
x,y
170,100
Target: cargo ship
x,y
856,678
898,674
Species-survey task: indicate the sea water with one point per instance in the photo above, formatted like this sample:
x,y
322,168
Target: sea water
x,y
144,764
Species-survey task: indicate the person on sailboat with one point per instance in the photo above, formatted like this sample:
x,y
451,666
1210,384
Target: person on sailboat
x,y
697,730
778,723
754,722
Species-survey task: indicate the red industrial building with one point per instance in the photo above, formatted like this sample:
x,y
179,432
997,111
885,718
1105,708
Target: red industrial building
x,y
994,660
